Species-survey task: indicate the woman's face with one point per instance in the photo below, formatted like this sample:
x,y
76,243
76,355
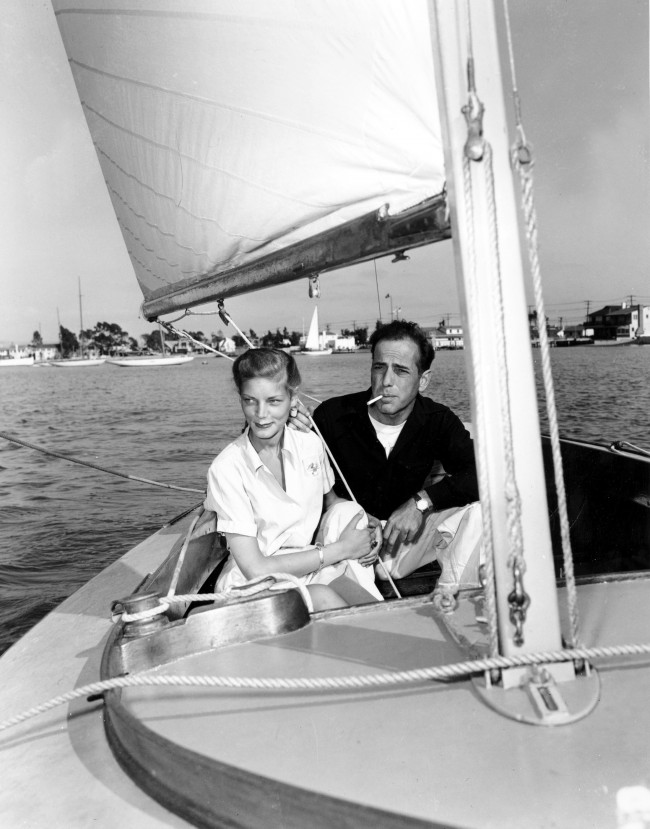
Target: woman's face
x,y
266,403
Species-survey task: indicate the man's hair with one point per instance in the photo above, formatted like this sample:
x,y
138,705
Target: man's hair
x,y
270,363
404,330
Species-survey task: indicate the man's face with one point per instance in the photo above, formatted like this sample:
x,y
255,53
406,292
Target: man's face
x,y
395,375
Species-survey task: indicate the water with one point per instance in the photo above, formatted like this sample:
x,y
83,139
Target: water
x,y
61,523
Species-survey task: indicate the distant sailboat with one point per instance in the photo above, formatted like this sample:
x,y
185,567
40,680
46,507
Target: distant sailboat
x,y
82,361
152,359
312,345
13,357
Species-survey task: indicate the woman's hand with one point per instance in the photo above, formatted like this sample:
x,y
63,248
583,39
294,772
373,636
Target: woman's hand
x,y
374,524
356,543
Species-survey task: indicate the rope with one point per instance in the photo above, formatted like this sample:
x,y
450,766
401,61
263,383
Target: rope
x,y
513,498
354,500
271,581
19,442
474,151
457,670
479,389
173,330
228,320
522,160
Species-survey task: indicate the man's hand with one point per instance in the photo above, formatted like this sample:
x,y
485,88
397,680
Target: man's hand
x,y
299,418
403,526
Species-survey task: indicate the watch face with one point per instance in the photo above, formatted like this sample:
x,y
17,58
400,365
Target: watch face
x,y
422,505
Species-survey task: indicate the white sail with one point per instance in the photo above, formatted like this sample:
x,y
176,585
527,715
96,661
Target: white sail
x,y
312,341
217,151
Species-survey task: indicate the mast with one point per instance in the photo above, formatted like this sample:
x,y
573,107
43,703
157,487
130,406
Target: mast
x,y
81,322
162,340
491,292
58,319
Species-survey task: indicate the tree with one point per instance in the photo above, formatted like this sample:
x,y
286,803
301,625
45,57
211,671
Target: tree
x,y
272,340
361,335
152,340
37,340
109,337
69,342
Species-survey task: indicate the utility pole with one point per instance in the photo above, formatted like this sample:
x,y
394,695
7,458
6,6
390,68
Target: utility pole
x,y
587,314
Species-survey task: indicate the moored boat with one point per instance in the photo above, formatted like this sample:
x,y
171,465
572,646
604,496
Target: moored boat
x,y
77,362
153,360
397,714
16,360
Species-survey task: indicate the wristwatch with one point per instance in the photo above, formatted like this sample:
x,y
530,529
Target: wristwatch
x,y
421,503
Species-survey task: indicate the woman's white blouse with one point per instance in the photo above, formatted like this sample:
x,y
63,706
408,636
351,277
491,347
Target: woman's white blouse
x,y
249,501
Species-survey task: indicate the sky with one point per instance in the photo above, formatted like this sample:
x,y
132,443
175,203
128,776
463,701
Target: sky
x,y
582,72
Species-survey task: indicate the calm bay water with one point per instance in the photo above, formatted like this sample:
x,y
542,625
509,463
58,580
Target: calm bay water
x,y
61,523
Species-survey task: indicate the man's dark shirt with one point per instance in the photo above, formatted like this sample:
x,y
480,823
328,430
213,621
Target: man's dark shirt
x,y
432,432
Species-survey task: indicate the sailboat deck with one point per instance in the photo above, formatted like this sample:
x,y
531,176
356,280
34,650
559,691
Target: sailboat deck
x,y
359,746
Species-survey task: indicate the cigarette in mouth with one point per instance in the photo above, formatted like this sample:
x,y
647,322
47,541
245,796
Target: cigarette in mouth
x,y
374,400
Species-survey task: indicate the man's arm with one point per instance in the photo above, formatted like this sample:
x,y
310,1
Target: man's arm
x,y
459,486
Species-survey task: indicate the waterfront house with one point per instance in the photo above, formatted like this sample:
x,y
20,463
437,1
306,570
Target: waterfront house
x,y
619,322
446,337
44,352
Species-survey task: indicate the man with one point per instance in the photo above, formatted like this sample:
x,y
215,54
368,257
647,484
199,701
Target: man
x,y
390,454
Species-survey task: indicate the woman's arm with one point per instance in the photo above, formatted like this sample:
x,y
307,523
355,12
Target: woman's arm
x,y
330,498
245,550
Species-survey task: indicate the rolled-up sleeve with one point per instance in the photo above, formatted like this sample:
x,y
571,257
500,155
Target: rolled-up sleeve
x,y
227,497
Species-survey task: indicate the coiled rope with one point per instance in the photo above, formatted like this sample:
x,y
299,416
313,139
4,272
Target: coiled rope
x,y
137,478
444,673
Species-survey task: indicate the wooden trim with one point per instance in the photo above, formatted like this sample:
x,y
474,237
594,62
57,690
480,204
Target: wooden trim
x,y
209,793
367,237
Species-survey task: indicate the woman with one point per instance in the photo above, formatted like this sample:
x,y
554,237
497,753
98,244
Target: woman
x,y
269,488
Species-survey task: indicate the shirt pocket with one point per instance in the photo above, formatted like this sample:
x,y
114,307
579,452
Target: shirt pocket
x,y
311,465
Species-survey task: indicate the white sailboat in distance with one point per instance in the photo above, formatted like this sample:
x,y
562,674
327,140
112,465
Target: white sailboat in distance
x,y
83,360
312,344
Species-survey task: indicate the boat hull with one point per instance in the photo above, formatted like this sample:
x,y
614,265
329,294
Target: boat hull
x,y
90,363
14,362
151,362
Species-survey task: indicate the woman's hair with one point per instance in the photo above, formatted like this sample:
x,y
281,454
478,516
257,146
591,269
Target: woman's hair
x,y
266,362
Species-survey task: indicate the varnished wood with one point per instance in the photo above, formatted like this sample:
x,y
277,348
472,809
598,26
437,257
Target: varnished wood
x,y
368,237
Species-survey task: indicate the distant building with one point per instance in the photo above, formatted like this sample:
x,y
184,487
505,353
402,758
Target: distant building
x,y
14,350
328,339
620,322
184,346
45,351
446,337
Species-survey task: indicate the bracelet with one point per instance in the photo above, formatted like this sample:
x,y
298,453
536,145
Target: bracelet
x,y
320,550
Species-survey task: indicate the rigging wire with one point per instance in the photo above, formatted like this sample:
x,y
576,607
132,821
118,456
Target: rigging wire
x,y
137,478
523,162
